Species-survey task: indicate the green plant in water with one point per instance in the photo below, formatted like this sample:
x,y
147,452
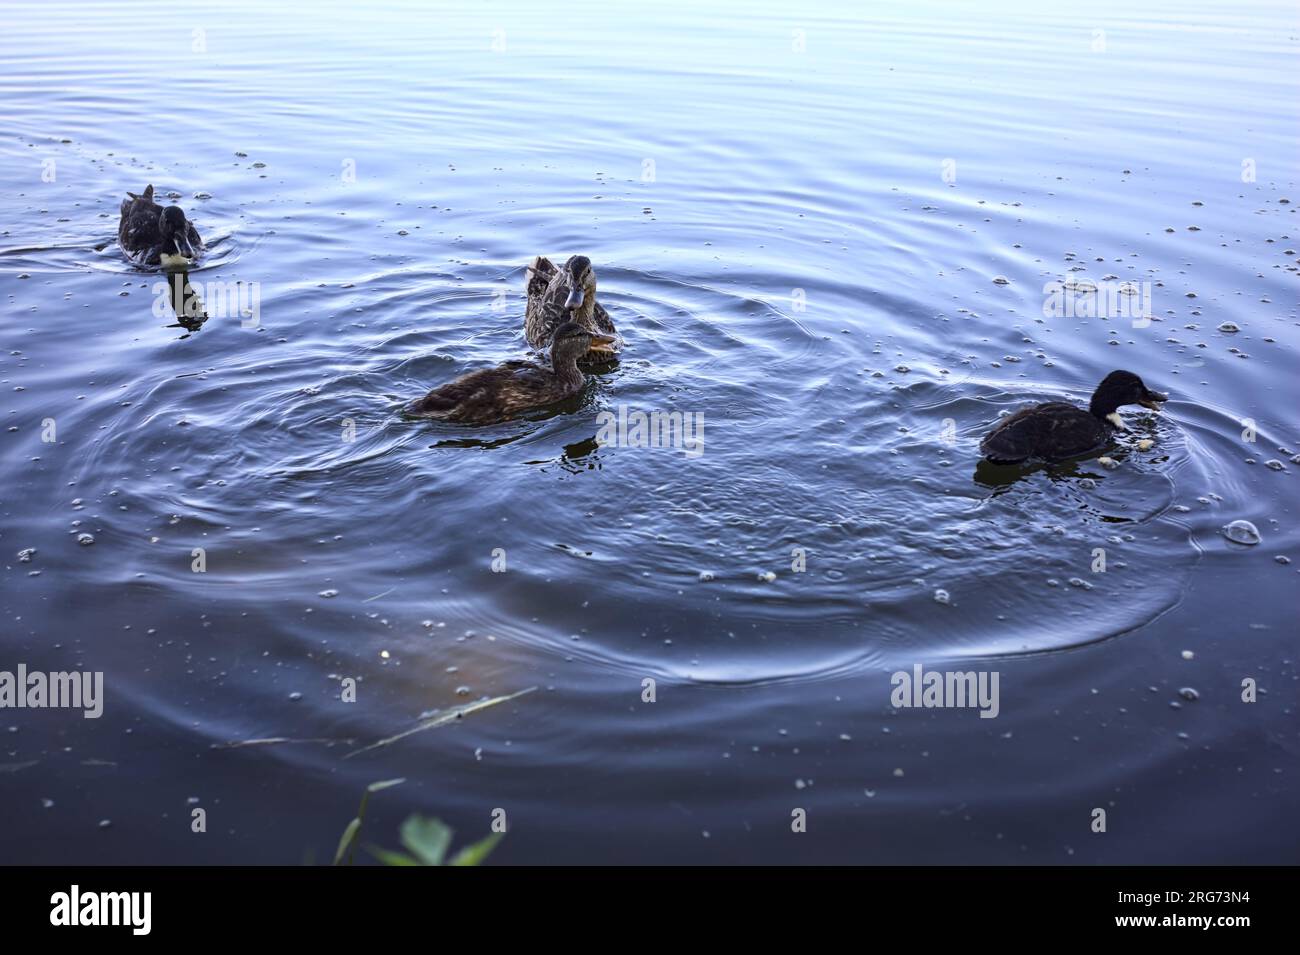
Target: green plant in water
x,y
425,838
428,840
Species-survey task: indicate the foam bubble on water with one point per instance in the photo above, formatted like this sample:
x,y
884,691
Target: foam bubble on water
x,y
1242,532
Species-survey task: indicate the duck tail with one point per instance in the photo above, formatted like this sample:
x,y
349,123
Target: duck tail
x,y
999,449
539,271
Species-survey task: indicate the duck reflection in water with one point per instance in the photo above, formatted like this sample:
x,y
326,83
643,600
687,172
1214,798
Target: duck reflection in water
x,y
582,455
1001,477
182,298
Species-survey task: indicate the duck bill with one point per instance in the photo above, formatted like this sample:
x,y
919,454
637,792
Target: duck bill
x,y
183,248
601,341
1153,400
575,298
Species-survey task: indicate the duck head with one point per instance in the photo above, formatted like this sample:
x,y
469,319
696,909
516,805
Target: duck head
x,y
570,343
580,278
1123,388
174,228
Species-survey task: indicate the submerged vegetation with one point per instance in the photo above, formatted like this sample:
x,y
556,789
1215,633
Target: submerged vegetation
x,y
426,839
441,719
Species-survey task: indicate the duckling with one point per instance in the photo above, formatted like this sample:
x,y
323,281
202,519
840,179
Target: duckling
x,y
151,234
498,394
563,295
1057,430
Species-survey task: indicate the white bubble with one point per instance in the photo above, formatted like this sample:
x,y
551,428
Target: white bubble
x,y
1242,532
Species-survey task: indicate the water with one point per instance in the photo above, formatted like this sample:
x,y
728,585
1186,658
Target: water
x,y
797,221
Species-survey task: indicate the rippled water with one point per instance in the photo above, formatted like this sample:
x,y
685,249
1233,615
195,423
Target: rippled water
x,y
796,219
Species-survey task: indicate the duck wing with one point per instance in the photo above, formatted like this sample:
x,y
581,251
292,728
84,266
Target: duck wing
x,y
538,319
545,311
604,323
541,269
454,392
138,232
490,394
1052,431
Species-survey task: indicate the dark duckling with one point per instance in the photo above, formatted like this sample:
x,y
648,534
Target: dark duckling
x,y
498,394
568,294
1057,430
151,234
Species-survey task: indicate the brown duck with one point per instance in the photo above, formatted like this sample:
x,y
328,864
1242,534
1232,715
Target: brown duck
x,y
151,234
567,294
499,394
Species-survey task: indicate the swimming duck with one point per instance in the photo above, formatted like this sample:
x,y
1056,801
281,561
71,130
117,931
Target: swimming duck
x,y
151,234
568,294
498,394
1057,430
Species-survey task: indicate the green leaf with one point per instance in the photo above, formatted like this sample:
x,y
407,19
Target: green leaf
x,y
390,858
475,854
384,784
427,838
345,843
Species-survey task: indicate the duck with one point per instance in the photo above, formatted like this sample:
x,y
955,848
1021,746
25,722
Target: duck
x,y
151,234
566,294
492,395
1058,430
